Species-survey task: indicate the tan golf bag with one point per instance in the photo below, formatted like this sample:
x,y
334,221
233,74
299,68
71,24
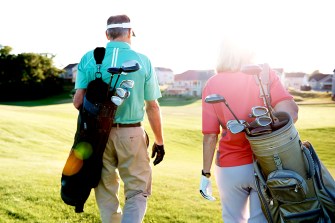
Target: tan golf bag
x,y
293,184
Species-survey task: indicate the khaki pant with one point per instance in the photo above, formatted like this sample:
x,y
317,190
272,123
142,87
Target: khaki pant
x,y
126,155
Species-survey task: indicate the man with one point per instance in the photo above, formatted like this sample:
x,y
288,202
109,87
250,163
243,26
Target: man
x,y
126,150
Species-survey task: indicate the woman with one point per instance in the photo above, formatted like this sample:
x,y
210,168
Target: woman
x,y
233,164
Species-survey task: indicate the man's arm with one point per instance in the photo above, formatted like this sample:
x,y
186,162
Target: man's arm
x,y
209,145
78,98
155,120
288,106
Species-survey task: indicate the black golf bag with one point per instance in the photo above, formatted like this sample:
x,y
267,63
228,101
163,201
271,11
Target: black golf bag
x,y
82,170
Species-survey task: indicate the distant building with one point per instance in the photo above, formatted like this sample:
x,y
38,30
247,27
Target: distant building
x,y
164,75
70,72
321,82
295,80
280,74
333,87
189,83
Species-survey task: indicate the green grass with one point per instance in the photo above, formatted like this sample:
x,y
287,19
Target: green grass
x,y
35,139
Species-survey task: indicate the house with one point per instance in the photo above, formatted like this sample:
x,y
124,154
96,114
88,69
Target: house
x,y
295,80
189,83
164,75
333,86
70,72
321,82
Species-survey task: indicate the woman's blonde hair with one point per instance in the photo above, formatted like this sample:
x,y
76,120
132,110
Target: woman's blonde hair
x,y
233,54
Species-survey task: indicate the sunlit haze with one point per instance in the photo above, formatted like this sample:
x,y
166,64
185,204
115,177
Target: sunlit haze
x,y
181,35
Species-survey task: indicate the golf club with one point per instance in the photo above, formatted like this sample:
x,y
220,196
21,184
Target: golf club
x,y
117,79
216,98
127,84
127,93
122,93
261,121
127,67
258,111
235,127
117,100
255,70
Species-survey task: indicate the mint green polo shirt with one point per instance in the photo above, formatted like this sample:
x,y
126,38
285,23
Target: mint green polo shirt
x,y
146,87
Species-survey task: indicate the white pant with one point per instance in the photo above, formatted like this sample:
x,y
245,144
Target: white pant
x,y
238,194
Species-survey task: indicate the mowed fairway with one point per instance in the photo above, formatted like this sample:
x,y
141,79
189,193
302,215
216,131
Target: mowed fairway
x,y
35,141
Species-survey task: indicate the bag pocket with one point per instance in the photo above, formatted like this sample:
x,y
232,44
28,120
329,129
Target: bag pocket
x,y
308,211
287,186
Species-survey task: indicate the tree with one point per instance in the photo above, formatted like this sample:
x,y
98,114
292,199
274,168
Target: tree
x,y
27,76
5,50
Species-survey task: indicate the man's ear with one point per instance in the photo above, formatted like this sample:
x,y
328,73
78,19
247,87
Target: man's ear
x,y
130,33
107,35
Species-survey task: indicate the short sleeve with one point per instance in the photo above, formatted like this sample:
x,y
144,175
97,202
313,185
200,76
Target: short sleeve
x,y
151,89
81,78
210,121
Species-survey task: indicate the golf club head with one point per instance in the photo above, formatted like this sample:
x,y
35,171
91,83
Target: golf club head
x,y
117,100
214,98
130,66
258,111
121,92
236,127
251,69
126,93
233,121
126,67
127,84
263,120
114,70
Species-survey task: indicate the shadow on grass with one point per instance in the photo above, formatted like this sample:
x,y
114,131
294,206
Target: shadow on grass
x,y
177,100
54,100
66,98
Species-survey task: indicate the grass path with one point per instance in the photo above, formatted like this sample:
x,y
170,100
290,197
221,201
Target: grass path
x,y
35,141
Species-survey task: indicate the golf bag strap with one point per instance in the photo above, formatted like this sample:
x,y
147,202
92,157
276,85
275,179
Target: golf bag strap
x,y
99,54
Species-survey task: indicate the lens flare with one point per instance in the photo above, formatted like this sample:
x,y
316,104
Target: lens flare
x,y
72,165
83,150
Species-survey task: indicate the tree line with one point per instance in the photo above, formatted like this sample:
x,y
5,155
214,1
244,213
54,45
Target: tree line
x,y
27,76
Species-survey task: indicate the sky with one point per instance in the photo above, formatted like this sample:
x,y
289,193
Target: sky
x,y
297,35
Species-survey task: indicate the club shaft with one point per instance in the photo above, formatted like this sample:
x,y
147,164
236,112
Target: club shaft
x,y
266,99
232,112
109,84
117,79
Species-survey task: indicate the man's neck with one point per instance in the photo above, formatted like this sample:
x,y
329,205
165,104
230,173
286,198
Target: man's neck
x,y
121,39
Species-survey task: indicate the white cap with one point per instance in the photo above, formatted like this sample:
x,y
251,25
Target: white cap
x,y
119,25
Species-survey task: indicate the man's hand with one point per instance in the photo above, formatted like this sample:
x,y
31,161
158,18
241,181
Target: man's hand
x,y
206,188
159,152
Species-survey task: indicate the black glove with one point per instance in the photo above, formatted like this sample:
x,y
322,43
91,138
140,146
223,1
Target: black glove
x,y
159,150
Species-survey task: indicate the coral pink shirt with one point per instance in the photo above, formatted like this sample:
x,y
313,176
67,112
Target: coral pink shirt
x,y
241,93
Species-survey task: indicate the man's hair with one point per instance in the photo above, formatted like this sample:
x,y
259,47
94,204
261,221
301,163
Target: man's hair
x,y
233,55
117,32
